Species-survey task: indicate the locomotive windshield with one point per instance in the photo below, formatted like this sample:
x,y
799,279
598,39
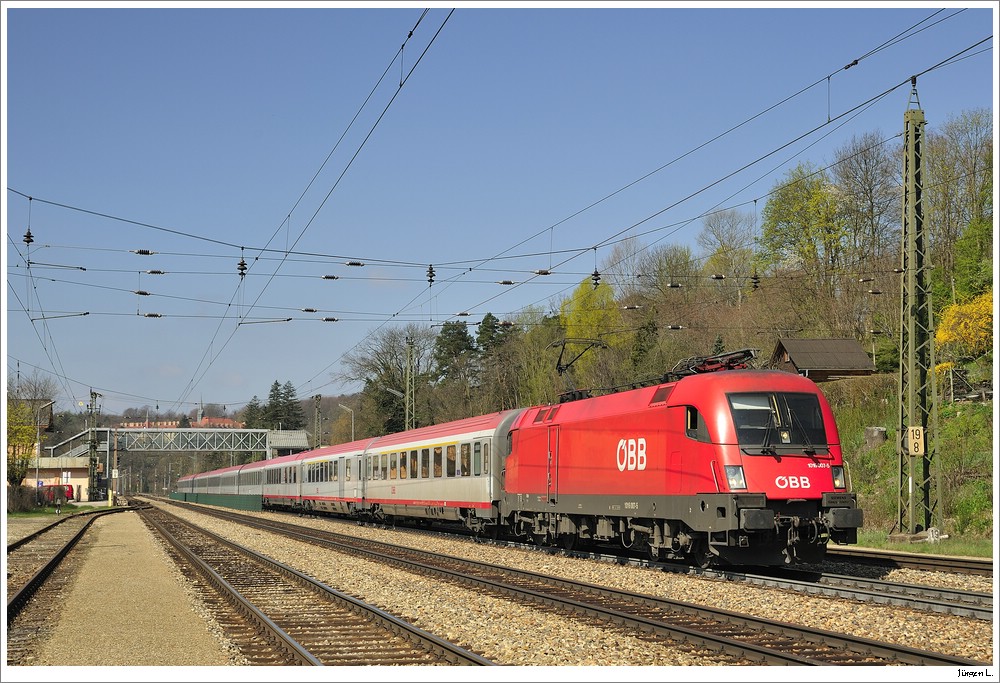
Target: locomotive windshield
x,y
778,423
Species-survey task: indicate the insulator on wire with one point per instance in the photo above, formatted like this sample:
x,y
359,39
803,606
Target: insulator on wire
x,y
596,277
430,275
242,268
28,239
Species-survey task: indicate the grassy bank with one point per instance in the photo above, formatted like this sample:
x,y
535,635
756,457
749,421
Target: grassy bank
x,y
962,466
964,546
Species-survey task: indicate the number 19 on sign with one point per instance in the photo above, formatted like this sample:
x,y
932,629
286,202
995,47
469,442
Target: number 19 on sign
x,y
916,440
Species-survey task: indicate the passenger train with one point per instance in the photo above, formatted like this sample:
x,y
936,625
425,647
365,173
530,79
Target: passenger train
x,y
738,467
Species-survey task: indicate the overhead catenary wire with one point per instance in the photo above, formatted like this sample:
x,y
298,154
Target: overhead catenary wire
x,y
550,252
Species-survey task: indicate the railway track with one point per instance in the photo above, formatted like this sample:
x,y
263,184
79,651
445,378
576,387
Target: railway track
x,y
279,616
938,600
31,560
745,639
41,562
899,560
924,598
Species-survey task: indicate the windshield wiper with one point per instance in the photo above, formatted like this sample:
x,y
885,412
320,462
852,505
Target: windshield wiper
x,y
808,450
765,446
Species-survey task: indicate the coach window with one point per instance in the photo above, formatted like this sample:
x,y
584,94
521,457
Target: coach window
x,y
477,459
438,471
347,470
466,452
385,466
451,464
486,457
425,463
414,467
334,475
402,464
696,428
393,457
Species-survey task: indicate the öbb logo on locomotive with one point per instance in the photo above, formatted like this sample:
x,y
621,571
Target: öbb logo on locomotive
x,y
792,482
631,454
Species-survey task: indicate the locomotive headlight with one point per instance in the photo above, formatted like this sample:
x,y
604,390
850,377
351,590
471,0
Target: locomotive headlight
x,y
838,477
734,477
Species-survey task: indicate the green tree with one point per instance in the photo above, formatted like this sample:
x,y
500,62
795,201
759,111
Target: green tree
x,y
974,260
591,315
454,350
28,420
295,415
534,359
273,408
20,439
800,225
491,334
958,190
253,414
283,410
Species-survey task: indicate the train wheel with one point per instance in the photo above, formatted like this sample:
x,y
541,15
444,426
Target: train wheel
x,y
655,554
702,557
568,541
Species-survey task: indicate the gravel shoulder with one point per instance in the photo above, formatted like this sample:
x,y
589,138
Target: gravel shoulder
x,y
129,606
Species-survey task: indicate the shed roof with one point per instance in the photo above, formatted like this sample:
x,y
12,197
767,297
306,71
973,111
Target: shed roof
x,y
823,354
289,438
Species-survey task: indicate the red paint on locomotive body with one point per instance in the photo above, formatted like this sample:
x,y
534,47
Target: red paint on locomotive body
x,y
632,444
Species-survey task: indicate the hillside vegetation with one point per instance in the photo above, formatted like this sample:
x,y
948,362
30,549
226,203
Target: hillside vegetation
x,y
963,458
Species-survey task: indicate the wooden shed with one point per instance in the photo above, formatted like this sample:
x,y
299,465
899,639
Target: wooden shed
x,y
822,360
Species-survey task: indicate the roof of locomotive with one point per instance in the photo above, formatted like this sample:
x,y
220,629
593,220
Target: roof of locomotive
x,y
688,390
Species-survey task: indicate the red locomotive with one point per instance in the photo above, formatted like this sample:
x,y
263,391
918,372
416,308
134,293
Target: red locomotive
x,y
730,467
742,466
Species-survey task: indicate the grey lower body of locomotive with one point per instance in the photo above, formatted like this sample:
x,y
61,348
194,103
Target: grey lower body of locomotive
x,y
708,529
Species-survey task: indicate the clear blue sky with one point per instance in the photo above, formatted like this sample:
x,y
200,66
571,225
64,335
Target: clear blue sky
x,y
193,132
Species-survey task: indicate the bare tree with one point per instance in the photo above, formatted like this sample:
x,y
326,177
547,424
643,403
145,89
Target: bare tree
x,y
727,244
866,178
